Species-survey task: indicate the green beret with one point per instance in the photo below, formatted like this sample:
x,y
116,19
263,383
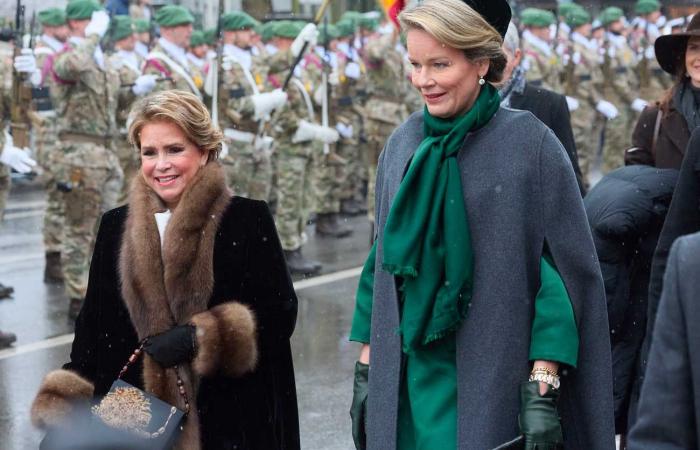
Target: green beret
x,y
327,33
120,28
197,38
81,9
368,23
647,6
345,28
563,8
237,20
141,25
173,15
352,16
265,30
211,36
52,17
286,29
577,17
539,18
610,15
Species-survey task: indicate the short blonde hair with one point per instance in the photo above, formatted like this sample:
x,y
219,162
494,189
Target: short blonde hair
x,y
183,109
455,24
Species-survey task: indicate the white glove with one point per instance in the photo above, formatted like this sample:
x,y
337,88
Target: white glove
x,y
16,158
352,70
345,131
572,103
319,94
144,84
607,109
639,105
267,102
650,53
308,34
312,132
334,78
25,62
99,23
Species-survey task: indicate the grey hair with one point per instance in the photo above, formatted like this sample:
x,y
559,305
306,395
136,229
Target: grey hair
x,y
512,39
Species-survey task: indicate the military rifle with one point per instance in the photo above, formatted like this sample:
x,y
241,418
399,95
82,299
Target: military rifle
x,y
219,67
21,87
324,81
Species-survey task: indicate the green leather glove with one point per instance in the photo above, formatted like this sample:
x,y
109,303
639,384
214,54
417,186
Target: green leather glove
x,y
539,419
358,410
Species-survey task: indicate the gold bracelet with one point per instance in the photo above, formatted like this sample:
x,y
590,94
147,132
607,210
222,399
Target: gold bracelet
x,y
544,370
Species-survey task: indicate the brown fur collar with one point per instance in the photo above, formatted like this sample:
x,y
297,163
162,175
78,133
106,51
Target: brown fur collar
x,y
164,289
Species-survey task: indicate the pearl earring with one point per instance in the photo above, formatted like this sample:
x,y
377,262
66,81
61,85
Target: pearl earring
x,y
481,81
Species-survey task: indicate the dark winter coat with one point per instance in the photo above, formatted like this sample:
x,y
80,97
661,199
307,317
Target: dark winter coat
x,y
626,211
670,403
671,142
222,263
552,110
683,218
520,194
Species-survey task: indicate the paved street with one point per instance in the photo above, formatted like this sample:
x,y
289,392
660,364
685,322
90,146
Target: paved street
x,y
323,357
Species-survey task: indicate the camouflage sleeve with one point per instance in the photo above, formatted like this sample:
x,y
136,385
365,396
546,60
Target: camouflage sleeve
x,y
236,95
71,64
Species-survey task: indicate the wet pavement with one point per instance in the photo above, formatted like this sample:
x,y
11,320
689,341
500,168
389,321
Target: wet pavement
x,y
323,357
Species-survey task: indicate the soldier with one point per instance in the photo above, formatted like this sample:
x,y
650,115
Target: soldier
x,y
539,58
653,81
142,30
90,175
386,92
243,112
295,134
582,86
168,59
44,123
129,64
238,37
198,50
619,79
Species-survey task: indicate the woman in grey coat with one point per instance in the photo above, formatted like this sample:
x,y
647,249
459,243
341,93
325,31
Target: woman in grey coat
x,y
482,299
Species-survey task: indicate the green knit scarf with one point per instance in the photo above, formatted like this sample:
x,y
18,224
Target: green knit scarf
x,y
426,236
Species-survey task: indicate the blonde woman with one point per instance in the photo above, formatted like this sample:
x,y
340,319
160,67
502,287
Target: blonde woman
x,y
481,308
201,276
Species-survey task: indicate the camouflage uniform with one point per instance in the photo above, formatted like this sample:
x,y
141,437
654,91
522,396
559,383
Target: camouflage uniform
x,y
619,77
653,81
129,70
294,161
86,122
583,82
385,108
541,63
5,90
181,74
249,169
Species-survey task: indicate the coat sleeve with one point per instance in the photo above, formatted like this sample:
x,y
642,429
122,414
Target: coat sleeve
x,y
642,139
666,417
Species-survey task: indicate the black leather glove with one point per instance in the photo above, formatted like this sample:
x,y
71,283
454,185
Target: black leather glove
x,y
539,419
175,346
358,410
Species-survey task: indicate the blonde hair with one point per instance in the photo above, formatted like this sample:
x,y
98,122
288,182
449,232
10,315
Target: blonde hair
x,y
183,109
457,25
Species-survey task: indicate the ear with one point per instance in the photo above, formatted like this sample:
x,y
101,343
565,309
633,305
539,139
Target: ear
x,y
203,158
482,67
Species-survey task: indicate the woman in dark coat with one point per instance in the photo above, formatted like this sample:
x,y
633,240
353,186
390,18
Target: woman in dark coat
x,y
201,276
662,132
477,296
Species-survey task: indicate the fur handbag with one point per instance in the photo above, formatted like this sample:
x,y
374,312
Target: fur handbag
x,y
127,418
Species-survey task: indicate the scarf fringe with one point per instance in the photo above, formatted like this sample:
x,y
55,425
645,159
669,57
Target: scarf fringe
x,y
400,271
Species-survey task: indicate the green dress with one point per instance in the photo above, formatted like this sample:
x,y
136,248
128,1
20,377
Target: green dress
x,y
428,397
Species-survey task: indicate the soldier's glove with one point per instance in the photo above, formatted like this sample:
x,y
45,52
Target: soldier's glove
x,y
607,109
539,419
358,409
144,84
308,34
346,131
313,132
638,105
99,23
572,103
267,102
16,158
25,62
353,70
175,346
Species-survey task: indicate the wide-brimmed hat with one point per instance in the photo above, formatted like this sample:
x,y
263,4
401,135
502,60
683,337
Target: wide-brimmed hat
x,y
670,48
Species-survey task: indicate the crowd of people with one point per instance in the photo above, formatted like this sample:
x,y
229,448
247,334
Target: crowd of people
x,y
401,122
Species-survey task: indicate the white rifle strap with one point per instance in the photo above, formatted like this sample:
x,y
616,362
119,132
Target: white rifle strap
x,y
307,98
177,68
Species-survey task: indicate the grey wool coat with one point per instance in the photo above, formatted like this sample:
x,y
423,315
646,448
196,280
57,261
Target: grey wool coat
x,y
521,195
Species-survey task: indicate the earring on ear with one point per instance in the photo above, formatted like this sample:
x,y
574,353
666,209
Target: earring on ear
x,y
481,80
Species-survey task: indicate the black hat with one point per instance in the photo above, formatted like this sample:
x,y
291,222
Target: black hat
x,y
670,48
496,12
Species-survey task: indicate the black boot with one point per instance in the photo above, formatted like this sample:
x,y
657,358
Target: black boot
x,y
53,271
348,207
6,291
6,339
74,308
328,225
299,265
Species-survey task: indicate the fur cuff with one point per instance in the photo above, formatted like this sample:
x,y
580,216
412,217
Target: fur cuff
x,y
59,391
226,340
